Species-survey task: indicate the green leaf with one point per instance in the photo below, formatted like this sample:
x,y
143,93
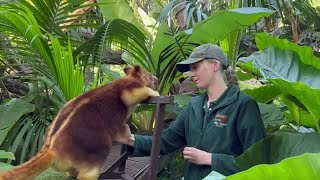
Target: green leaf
x,y
277,147
298,112
27,141
174,48
271,115
20,137
120,9
121,35
309,97
285,69
70,77
305,53
242,75
248,66
230,45
161,41
6,155
10,113
264,94
213,29
305,166
51,174
5,166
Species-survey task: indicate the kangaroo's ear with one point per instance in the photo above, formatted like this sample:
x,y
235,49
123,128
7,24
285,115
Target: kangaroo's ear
x,y
127,70
137,69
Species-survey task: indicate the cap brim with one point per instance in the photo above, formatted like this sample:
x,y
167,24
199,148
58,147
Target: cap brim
x,y
183,66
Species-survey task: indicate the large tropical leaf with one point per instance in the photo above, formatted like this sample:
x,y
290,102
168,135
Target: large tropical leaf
x,y
264,93
230,45
10,114
287,71
298,112
122,9
277,147
271,116
213,29
306,166
304,53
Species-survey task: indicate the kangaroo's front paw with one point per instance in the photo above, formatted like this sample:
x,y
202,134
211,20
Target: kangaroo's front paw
x,y
153,93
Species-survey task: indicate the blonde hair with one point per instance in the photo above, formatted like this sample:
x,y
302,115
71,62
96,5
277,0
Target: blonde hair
x,y
229,74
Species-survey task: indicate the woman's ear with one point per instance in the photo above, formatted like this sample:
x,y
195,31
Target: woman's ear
x,y
216,65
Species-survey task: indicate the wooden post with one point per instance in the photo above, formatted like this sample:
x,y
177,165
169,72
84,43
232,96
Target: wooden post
x,y
155,150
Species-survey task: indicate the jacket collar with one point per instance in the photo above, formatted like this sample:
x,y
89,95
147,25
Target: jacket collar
x,y
231,95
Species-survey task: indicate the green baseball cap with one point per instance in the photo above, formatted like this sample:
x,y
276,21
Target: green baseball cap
x,y
206,51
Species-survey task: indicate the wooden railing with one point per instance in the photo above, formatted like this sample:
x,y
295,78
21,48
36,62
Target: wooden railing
x,y
149,172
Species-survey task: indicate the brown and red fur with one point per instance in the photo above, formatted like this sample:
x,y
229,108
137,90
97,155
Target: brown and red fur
x,y
80,137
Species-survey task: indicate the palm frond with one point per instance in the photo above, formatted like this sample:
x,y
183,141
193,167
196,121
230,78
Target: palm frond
x,y
70,77
23,30
117,34
55,16
178,50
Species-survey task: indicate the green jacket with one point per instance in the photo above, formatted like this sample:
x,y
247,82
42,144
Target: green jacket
x,y
230,127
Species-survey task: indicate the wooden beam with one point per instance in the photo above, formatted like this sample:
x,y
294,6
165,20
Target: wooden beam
x,y
159,99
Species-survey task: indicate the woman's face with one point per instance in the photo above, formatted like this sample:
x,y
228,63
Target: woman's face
x,y
202,73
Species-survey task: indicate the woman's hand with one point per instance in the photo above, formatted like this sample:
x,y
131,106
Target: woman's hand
x,y
197,156
124,135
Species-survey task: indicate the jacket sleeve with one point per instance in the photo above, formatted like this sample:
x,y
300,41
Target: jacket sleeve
x,y
250,129
172,138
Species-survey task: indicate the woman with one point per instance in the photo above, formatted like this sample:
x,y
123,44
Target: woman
x,y
215,127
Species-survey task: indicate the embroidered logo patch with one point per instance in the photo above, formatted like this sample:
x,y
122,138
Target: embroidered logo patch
x,y
221,120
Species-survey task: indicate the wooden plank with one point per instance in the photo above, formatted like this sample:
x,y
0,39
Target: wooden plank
x,y
155,149
159,99
145,159
134,165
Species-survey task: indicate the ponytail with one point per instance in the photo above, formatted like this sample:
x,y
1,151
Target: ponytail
x,y
230,76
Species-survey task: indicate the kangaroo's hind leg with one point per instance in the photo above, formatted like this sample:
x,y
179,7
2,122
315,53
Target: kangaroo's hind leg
x,y
65,166
87,173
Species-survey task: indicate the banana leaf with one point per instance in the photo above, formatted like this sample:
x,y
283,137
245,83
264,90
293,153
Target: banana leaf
x,y
271,115
214,29
292,75
121,9
305,53
264,94
306,166
277,147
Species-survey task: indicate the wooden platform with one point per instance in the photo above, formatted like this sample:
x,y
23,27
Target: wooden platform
x,y
135,166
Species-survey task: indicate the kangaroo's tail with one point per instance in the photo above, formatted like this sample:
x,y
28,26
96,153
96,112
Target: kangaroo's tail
x,y
31,168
